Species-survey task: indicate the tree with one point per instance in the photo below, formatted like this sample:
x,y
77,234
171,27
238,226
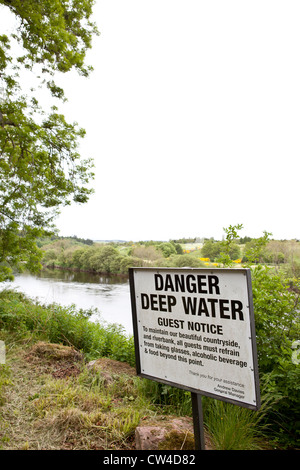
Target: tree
x,y
40,167
211,249
229,250
255,249
167,249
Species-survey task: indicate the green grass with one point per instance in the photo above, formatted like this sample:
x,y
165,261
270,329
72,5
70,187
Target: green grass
x,y
235,428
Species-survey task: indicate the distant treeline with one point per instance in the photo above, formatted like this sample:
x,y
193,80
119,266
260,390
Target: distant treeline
x,y
45,241
116,258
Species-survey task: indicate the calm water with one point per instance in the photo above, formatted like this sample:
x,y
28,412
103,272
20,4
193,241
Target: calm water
x,y
110,295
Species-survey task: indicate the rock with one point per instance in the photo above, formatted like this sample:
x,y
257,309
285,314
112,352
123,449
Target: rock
x,y
167,433
148,437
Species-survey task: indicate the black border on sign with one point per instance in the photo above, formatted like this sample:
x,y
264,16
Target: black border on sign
x,y
247,272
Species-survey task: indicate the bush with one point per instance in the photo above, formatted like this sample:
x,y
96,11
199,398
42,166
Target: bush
x,y
103,259
167,249
277,328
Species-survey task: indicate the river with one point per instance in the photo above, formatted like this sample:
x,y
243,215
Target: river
x,y
110,295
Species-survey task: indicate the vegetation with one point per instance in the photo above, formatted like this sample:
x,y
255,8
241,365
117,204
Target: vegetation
x,y
115,258
65,325
53,401
40,167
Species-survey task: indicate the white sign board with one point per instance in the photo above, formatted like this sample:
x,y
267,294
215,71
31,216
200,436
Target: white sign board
x,y
194,329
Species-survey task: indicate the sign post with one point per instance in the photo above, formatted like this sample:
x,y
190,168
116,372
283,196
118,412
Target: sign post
x,y
194,329
198,421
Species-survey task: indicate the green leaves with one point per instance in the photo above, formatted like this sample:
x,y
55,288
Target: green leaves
x,y
40,170
54,33
40,166
256,248
227,246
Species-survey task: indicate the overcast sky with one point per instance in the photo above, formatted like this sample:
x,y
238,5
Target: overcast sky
x,y
192,116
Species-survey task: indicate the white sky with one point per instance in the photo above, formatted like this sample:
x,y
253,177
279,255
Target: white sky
x,y
192,116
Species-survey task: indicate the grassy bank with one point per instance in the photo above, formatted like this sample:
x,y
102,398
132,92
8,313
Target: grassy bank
x,y
52,399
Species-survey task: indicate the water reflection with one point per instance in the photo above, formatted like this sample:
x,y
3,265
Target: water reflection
x,y
79,276
108,294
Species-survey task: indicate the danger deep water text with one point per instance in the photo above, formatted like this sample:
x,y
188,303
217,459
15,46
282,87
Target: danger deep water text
x,y
209,307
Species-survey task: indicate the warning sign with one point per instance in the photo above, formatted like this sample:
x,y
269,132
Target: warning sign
x,y
194,329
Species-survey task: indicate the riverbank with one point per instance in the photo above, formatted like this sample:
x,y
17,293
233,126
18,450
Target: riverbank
x,y
69,384
107,297
51,398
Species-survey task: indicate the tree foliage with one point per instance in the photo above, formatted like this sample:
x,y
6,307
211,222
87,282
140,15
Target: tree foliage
x,y
228,245
214,250
55,34
40,166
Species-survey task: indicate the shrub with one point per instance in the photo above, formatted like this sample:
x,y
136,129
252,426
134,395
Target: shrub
x,y
277,328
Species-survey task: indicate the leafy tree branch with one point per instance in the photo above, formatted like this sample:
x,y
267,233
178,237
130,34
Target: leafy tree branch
x,y
41,169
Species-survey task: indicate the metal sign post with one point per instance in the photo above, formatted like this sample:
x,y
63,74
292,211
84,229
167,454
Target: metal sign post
x,y
198,421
